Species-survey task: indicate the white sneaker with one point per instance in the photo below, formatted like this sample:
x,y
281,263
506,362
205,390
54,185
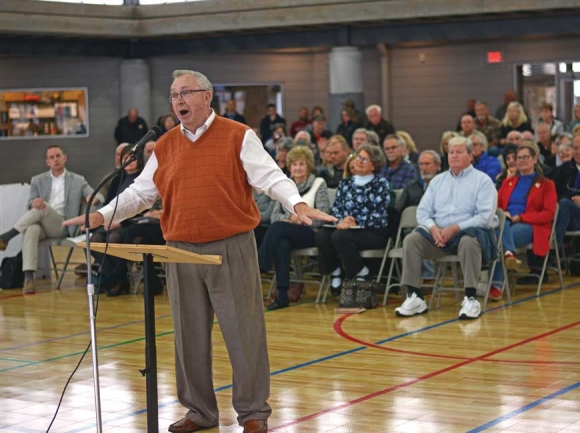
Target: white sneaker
x,y
413,305
470,309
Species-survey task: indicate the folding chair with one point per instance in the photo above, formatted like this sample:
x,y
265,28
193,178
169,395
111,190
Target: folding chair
x,y
50,243
453,260
408,221
553,246
570,234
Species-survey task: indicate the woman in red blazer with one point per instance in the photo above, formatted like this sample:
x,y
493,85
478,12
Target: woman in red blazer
x,y
529,201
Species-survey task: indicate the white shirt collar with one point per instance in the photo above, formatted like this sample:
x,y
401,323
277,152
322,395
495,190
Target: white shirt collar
x,y
57,177
199,131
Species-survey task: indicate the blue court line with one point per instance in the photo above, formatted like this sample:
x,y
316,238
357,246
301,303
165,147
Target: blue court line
x,y
524,408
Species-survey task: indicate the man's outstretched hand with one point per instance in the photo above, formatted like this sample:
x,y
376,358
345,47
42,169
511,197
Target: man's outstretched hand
x,y
95,220
306,214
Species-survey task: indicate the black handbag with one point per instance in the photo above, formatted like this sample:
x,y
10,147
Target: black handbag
x,y
358,294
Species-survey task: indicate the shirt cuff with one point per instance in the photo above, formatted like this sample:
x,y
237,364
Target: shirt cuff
x,y
294,199
107,212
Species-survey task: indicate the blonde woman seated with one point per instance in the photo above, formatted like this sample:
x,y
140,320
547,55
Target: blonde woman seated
x,y
286,233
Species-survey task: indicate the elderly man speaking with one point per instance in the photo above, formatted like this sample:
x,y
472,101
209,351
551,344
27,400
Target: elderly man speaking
x,y
455,216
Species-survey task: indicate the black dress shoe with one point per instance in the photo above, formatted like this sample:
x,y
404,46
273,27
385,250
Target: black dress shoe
x,y
276,305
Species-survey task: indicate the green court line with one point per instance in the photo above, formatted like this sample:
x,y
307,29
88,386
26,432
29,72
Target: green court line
x,y
109,346
14,360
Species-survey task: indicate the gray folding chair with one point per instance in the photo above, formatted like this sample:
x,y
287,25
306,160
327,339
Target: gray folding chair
x,y
553,246
59,272
407,222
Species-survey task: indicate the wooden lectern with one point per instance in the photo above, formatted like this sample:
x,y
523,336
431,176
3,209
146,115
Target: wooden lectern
x,y
149,254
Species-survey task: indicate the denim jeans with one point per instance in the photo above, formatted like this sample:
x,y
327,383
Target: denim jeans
x,y
514,236
568,219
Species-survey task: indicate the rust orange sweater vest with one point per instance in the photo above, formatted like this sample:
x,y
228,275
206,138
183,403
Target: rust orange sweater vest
x,y
205,192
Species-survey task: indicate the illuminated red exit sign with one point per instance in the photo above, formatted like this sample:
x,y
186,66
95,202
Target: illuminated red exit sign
x,y
494,57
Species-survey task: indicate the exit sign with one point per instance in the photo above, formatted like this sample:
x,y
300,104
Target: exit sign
x,y
494,57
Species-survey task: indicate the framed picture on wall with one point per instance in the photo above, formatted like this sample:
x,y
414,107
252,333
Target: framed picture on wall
x,y
44,113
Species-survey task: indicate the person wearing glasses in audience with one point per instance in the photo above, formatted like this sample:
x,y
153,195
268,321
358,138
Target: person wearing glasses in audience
x,y
529,201
287,232
360,205
397,171
204,172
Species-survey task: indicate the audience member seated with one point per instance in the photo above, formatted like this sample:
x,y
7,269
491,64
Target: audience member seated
x,y
359,118
455,216
337,152
489,126
148,151
55,196
567,180
131,128
529,201
490,165
443,144
286,232
514,120
319,135
284,145
265,206
467,125
362,137
269,122
565,150
303,138
411,153
509,169
575,120
112,278
514,137
547,118
397,171
167,122
316,111
278,133
347,125
232,114
529,135
545,144
350,166
302,123
376,123
361,205
429,167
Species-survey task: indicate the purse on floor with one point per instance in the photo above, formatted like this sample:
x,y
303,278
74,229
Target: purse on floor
x,y
358,294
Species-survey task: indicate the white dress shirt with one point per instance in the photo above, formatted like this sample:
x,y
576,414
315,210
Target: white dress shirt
x,y
57,200
262,171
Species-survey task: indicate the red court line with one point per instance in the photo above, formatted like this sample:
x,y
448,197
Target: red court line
x,y
422,378
340,331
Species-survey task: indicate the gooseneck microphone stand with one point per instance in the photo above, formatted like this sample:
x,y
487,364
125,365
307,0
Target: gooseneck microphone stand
x,y
91,292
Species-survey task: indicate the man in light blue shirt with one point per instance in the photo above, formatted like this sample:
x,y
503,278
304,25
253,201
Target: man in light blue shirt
x,y
462,202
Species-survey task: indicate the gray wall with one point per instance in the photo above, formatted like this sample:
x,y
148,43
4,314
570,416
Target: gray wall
x,y
429,97
92,156
304,76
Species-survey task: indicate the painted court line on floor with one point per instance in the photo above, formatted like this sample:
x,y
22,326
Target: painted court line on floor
x,y
421,378
524,408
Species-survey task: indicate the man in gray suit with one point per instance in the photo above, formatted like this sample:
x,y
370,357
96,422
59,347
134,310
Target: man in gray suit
x,y
54,196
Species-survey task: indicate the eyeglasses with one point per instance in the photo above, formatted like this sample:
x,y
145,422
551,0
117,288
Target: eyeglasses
x,y
185,94
362,159
391,148
523,158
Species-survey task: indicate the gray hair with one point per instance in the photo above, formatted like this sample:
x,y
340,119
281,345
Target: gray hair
x,y
435,155
306,133
374,107
199,77
376,156
461,141
481,137
373,138
398,139
285,143
564,136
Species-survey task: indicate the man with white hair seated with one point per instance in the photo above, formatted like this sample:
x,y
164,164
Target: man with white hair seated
x,y
515,137
455,216
377,124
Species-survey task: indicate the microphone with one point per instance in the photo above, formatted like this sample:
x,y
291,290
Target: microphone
x,y
153,134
